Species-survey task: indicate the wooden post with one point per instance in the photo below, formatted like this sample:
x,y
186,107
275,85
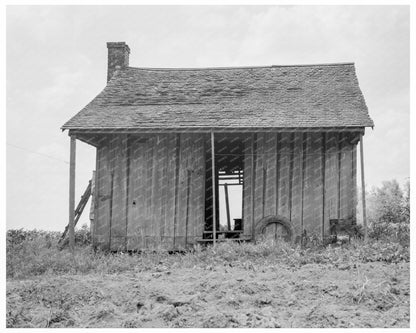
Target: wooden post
x,y
188,189
72,192
214,203
363,188
253,183
227,206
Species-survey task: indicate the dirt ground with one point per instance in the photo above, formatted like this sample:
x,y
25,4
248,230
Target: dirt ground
x,y
314,295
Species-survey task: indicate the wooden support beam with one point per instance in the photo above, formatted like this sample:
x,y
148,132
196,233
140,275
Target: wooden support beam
x,y
214,189
71,221
188,192
253,183
340,138
231,184
363,188
323,169
304,145
177,167
227,206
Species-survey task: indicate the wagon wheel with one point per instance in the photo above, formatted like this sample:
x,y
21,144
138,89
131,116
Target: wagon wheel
x,y
274,227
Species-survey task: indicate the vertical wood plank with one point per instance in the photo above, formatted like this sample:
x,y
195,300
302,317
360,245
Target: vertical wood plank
x,y
291,171
323,169
192,188
118,151
95,203
247,184
168,236
182,199
354,181
103,190
277,184
363,187
162,166
156,219
148,191
199,191
346,193
339,175
133,188
177,181
283,191
253,183
317,184
227,206
208,185
308,209
186,187
127,183
331,179
303,194
296,212
259,178
214,189
72,192
271,174
142,195
195,187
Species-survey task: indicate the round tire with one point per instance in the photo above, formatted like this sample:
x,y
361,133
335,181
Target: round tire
x,y
276,226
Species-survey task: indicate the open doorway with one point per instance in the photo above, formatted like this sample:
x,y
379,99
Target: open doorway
x,y
229,168
230,191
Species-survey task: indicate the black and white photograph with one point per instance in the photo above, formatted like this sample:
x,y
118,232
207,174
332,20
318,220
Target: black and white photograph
x,y
208,166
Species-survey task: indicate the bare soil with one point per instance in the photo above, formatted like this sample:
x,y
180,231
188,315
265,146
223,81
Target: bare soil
x,y
374,294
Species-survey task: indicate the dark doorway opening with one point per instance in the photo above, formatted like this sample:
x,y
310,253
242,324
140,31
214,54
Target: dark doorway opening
x,y
229,178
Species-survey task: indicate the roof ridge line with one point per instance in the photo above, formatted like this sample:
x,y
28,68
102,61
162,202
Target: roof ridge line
x,y
237,67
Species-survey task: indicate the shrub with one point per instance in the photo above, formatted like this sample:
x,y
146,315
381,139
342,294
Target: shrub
x,y
82,237
35,252
389,213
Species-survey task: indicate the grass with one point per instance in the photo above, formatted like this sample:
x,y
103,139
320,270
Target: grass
x,y
35,253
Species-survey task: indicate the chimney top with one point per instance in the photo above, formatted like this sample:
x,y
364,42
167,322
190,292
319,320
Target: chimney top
x,y
118,57
118,44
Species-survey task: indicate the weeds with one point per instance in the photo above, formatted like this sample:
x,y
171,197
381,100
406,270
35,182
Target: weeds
x,y
34,253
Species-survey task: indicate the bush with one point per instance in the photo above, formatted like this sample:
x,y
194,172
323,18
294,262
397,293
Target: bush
x,y
82,237
389,213
35,252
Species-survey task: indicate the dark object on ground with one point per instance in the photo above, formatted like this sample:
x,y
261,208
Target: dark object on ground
x,y
344,227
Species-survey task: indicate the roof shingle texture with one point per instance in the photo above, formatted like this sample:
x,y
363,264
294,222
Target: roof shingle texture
x,y
255,97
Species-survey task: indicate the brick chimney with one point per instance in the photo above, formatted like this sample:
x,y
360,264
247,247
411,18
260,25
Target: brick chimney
x,y
118,57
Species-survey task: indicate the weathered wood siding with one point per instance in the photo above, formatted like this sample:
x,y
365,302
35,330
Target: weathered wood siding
x,y
150,191
307,178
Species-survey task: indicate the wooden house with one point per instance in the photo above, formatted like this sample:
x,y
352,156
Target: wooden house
x,y
166,138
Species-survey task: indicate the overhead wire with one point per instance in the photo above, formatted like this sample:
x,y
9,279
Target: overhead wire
x,y
35,152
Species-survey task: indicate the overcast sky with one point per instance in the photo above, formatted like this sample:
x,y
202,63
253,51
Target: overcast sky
x,y
57,58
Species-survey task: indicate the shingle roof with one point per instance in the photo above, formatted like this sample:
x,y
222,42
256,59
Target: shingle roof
x,y
264,97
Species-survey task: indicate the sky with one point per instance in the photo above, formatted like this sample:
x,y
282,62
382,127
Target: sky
x,y
56,58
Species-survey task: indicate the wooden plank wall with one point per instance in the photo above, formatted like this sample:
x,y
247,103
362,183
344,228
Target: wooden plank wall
x,y
307,178
150,191
151,188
